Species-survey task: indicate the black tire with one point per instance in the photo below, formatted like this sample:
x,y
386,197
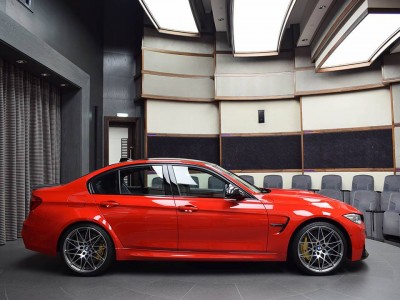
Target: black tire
x,y
86,249
319,248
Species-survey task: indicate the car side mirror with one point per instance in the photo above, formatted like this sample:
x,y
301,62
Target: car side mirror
x,y
235,193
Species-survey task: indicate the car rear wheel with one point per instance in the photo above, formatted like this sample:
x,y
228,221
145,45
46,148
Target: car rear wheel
x,y
87,249
319,248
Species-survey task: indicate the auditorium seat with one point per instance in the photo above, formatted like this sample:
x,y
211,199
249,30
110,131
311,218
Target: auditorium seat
x,y
366,202
301,182
391,185
273,182
391,217
331,186
248,178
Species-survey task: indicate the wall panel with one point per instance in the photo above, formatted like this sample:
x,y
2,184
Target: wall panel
x,y
178,64
266,86
261,152
309,82
155,86
391,67
347,110
169,117
242,116
351,149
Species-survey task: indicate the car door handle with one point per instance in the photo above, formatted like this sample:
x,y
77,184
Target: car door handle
x,y
187,208
109,204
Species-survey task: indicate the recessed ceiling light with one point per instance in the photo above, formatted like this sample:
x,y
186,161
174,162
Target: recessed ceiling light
x,y
21,61
64,84
221,19
258,26
304,40
322,7
172,16
45,74
361,38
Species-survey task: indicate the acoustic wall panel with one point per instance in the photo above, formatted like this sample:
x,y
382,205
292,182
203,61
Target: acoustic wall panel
x,y
347,110
174,117
178,64
242,116
166,87
309,82
202,148
154,40
228,64
396,102
266,86
351,149
261,152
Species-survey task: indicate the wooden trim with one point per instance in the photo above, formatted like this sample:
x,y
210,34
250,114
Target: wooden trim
x,y
260,134
390,80
350,170
145,129
182,135
340,90
220,133
174,98
268,171
393,126
176,74
255,54
302,135
343,67
370,128
253,74
304,69
179,33
177,52
242,98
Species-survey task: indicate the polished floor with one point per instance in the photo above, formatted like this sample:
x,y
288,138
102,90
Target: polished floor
x,y
28,275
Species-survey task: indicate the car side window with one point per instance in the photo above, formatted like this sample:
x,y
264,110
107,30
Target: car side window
x,y
106,184
143,180
195,182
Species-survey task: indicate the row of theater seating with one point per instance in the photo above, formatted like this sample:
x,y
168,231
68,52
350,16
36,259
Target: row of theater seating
x,y
381,209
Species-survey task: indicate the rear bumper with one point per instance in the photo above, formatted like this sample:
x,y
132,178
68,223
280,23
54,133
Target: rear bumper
x,y
37,239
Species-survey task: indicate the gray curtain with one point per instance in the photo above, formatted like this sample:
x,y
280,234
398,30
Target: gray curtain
x,y
29,143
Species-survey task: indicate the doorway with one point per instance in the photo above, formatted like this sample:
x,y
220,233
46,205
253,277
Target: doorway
x,y
120,139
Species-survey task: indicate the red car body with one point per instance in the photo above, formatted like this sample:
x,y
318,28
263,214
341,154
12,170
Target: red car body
x,y
174,227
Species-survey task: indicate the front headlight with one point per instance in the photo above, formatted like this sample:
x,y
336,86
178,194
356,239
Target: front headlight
x,y
356,218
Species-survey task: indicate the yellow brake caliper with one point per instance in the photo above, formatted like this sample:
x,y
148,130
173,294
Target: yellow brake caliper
x,y
304,249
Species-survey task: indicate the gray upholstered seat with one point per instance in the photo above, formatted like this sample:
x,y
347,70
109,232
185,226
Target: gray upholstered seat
x,y
273,181
391,217
391,185
331,186
215,183
301,182
365,201
363,183
157,183
248,178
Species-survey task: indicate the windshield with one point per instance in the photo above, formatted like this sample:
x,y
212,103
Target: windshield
x,y
238,178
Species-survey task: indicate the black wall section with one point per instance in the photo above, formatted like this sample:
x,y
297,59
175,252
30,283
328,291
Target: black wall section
x,y
261,152
203,148
354,149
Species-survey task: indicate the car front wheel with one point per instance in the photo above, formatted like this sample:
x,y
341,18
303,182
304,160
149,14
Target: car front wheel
x,y
319,248
87,249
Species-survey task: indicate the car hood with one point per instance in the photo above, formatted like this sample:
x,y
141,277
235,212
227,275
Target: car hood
x,y
299,198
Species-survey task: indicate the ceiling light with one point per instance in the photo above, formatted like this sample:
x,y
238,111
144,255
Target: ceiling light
x,y
45,74
361,38
21,61
322,7
122,115
172,16
64,84
258,26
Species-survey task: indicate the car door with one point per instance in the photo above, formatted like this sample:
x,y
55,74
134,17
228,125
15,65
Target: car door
x,y
137,202
209,222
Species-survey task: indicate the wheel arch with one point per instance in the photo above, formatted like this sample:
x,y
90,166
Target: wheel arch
x,y
320,219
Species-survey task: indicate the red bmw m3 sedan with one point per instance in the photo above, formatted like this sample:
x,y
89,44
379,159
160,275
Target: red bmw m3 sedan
x,y
181,209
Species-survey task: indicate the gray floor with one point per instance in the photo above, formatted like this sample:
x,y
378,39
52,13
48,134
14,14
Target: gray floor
x,y
28,275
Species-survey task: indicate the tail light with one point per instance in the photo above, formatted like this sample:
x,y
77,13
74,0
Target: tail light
x,y
35,202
